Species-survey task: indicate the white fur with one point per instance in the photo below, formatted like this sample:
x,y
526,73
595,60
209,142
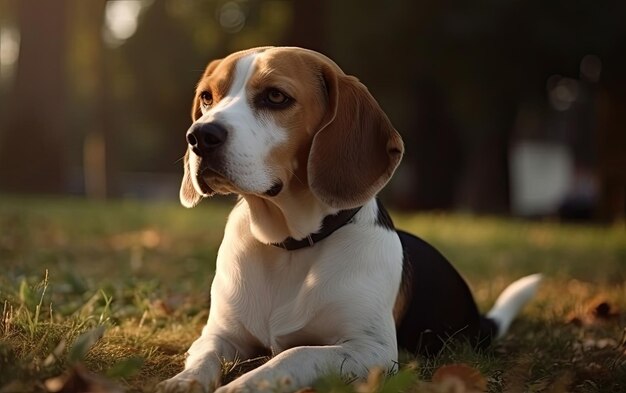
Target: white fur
x,y
250,137
303,215
338,295
511,301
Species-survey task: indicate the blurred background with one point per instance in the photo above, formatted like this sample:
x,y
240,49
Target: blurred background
x,y
513,107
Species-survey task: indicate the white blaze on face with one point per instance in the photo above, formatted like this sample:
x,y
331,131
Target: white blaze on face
x,y
251,135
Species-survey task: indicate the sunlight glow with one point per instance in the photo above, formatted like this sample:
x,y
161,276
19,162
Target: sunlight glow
x,y
9,50
562,92
121,19
591,68
232,17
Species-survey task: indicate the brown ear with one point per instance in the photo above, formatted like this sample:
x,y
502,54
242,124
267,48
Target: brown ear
x,y
356,150
195,106
189,197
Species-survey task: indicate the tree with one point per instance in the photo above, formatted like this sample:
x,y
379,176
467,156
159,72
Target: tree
x,y
91,89
32,141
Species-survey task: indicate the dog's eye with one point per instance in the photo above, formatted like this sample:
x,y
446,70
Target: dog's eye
x,y
206,99
276,98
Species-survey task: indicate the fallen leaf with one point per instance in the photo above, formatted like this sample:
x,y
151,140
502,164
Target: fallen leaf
x,y
595,312
604,311
471,379
373,382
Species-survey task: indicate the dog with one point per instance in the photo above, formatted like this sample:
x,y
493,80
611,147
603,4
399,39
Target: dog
x,y
311,268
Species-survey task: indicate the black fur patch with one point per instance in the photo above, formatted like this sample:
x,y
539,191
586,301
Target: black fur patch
x,y
383,219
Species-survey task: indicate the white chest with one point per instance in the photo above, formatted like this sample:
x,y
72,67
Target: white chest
x,y
279,300
312,296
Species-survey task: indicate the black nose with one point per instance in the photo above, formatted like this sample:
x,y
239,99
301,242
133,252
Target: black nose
x,y
204,138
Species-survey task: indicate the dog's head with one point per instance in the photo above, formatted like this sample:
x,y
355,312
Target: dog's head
x,y
270,121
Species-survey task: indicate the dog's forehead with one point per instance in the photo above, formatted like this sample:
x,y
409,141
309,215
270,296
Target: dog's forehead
x,y
294,62
288,61
220,74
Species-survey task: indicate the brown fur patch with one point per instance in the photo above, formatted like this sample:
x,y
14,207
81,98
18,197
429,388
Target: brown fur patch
x,y
296,73
356,153
218,78
404,293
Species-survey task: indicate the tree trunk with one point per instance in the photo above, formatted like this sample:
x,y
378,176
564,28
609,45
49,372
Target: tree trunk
x,y
99,167
32,142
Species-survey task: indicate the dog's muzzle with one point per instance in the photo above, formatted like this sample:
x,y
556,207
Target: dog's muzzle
x,y
206,138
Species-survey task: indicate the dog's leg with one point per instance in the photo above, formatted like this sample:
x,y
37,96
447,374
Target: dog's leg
x,y
203,366
300,367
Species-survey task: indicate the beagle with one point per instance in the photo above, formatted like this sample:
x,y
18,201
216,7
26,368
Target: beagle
x,y
311,268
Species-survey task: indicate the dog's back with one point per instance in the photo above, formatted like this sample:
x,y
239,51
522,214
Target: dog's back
x,y
440,306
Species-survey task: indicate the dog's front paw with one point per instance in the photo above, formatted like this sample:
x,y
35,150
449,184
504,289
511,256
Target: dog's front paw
x,y
181,384
245,384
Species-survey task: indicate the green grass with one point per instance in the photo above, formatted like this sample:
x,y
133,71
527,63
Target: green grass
x,y
138,274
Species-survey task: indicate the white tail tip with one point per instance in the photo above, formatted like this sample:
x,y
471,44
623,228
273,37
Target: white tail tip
x,y
511,301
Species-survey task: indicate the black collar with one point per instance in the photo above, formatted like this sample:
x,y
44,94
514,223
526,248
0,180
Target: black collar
x,y
329,225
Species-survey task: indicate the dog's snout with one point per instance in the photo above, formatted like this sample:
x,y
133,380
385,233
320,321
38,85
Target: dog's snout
x,y
206,137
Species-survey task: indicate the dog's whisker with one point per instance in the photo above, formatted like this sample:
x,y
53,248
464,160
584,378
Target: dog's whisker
x,y
296,176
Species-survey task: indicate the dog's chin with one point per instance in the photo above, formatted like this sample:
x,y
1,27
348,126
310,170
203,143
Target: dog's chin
x,y
210,183
202,187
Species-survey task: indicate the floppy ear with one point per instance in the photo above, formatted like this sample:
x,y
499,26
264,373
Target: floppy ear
x,y
195,108
189,197
356,150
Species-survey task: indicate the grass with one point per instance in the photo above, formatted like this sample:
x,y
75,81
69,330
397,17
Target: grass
x,y
121,289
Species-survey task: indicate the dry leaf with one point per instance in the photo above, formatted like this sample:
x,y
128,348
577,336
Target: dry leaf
x,y
373,382
604,311
596,312
470,378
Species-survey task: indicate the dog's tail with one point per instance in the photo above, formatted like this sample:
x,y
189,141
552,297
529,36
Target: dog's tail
x,y
511,301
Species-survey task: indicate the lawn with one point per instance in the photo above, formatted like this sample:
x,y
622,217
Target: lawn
x,y
122,288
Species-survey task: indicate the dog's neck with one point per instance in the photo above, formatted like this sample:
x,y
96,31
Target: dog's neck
x,y
296,216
